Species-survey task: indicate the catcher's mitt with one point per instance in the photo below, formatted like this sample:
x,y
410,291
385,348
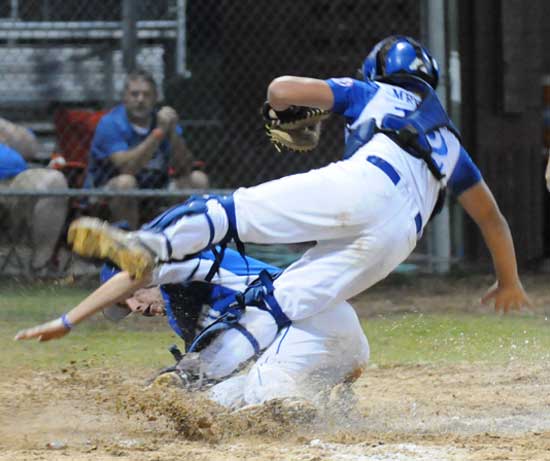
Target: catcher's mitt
x,y
296,128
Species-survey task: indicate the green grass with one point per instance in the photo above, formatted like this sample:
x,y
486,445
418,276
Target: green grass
x,y
452,338
20,303
139,342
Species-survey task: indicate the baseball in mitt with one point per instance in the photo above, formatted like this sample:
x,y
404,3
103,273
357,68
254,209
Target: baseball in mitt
x,y
297,128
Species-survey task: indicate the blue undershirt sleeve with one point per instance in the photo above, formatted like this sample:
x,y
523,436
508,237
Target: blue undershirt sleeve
x,y
465,174
351,96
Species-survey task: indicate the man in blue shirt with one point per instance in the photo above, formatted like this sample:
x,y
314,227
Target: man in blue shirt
x,y
134,146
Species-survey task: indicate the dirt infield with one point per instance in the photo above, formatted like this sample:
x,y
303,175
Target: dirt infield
x,y
417,412
403,413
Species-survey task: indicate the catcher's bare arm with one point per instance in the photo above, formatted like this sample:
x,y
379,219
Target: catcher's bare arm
x,y
479,203
299,91
116,289
294,110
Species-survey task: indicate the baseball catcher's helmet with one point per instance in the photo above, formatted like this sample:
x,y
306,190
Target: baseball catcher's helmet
x,y
401,56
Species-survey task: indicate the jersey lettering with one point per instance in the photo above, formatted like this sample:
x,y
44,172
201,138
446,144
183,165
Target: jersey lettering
x,y
404,95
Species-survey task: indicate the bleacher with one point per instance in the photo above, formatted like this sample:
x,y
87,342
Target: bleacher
x,y
73,64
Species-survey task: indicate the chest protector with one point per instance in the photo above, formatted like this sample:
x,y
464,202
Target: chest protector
x,y
409,132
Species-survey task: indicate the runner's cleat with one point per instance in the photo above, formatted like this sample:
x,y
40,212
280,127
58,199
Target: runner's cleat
x,y
93,238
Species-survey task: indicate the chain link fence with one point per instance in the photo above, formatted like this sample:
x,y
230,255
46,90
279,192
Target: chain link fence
x,y
64,66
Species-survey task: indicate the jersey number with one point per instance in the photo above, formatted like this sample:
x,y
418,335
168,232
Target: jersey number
x,y
438,145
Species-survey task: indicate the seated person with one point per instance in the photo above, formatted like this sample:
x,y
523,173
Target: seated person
x,y
45,216
135,146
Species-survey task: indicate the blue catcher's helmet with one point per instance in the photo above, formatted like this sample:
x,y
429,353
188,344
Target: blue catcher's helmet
x,y
399,55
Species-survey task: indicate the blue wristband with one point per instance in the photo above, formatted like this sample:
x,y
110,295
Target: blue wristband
x,y
68,325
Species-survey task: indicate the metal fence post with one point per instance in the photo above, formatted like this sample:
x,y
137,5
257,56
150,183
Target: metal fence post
x,y
129,34
14,10
181,40
434,27
455,103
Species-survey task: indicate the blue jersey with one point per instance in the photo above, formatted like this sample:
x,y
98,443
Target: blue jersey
x,y
11,162
359,101
115,133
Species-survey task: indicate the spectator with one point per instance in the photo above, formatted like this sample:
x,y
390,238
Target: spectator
x,y
45,217
134,146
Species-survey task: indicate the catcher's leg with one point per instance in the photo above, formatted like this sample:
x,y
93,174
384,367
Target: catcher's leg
x,y
328,203
319,205
335,202
185,229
